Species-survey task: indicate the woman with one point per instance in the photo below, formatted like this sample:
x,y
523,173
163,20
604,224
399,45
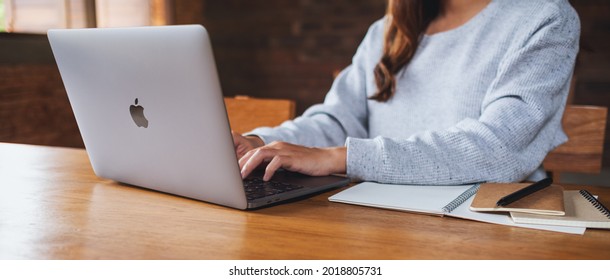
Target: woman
x,y
439,92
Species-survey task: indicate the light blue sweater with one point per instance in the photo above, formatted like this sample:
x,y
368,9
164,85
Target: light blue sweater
x,y
482,102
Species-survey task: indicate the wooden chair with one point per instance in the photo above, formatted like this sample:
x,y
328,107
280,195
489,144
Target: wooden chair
x,y
246,113
582,153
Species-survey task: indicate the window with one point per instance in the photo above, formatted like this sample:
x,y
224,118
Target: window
x,y
2,24
121,13
37,16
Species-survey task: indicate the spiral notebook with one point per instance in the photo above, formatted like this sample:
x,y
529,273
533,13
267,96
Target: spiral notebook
x,y
437,200
451,201
582,210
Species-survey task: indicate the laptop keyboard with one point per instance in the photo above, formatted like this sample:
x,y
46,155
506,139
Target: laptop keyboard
x,y
257,188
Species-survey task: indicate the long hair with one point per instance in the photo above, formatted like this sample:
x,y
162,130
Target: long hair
x,y
406,25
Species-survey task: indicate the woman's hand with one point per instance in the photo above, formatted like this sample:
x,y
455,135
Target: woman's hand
x,y
310,161
243,144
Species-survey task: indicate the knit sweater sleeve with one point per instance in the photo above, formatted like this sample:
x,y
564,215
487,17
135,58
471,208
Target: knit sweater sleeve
x,y
520,120
344,111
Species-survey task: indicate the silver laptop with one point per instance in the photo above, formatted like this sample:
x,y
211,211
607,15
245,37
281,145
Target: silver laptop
x,y
149,107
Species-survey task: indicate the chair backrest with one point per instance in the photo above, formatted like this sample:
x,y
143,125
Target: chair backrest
x,y
583,152
246,113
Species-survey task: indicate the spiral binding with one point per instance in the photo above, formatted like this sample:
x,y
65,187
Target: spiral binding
x,y
461,198
595,203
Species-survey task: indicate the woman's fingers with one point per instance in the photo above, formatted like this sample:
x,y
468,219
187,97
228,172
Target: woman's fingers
x,y
243,144
272,153
249,162
275,164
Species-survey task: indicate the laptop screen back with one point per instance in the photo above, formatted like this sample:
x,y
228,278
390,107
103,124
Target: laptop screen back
x,y
149,106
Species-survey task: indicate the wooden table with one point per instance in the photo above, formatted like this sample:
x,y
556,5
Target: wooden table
x,y
52,206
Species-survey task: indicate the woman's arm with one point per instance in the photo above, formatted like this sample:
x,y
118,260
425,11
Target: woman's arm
x,y
520,121
343,113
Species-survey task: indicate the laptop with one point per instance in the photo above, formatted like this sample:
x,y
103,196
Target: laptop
x,y
149,106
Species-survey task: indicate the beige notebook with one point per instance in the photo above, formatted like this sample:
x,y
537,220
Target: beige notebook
x,y
548,201
582,210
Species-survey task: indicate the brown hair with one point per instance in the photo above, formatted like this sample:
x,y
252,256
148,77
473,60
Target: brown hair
x,y
407,22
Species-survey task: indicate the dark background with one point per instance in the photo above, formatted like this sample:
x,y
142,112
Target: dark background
x,y
263,48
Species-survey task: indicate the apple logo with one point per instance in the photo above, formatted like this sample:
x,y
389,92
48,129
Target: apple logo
x,y
137,114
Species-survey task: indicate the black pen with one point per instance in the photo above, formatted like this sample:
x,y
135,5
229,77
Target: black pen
x,y
524,192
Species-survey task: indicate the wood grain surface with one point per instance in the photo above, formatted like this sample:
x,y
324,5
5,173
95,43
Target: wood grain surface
x,y
52,206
